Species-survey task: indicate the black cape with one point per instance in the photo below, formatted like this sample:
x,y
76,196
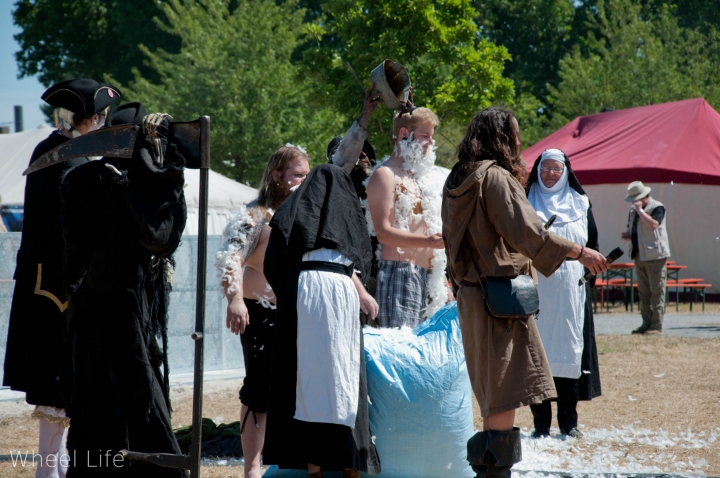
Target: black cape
x,y
120,232
37,313
323,212
587,386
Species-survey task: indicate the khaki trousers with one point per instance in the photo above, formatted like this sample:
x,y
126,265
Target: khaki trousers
x,y
651,289
506,362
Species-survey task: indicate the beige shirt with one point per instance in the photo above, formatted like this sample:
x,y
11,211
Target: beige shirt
x,y
486,209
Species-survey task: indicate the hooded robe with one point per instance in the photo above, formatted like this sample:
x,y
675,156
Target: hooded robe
x,y
120,232
324,213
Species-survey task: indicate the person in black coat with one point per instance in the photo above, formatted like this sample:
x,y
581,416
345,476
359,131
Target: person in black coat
x,y
39,303
122,220
319,238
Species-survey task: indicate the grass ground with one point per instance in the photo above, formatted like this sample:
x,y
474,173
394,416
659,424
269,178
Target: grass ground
x,y
657,383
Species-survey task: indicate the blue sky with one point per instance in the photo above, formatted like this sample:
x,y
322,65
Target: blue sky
x,y
25,92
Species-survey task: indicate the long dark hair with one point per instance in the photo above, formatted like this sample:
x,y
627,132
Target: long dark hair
x,y
492,134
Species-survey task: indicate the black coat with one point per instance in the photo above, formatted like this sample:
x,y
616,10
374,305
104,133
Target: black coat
x,y
37,314
324,212
120,232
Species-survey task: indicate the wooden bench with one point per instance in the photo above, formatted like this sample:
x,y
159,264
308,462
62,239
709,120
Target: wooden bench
x,y
689,286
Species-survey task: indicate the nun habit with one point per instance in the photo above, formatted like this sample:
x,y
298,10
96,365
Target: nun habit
x,y
566,320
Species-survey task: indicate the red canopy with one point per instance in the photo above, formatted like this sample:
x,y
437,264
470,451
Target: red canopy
x,y
677,141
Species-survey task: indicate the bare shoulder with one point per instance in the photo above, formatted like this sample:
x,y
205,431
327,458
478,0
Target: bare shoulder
x,y
384,176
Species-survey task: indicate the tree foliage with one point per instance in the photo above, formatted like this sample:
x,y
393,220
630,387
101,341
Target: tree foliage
x,y
235,66
63,39
635,59
453,70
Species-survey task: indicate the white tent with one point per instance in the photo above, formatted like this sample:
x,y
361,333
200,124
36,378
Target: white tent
x,y
15,152
225,195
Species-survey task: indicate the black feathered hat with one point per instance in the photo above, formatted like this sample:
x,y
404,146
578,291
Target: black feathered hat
x,y
83,96
128,113
333,146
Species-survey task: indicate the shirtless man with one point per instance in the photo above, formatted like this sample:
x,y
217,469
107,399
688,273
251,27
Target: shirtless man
x,y
401,197
251,302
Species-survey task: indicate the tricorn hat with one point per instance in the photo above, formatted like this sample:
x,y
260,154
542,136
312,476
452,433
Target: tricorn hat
x,y
335,143
636,190
393,82
128,113
83,96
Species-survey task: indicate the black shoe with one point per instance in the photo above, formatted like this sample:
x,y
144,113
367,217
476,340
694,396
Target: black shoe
x,y
540,433
640,330
574,433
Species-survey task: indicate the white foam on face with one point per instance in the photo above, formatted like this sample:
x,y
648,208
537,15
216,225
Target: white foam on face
x,y
604,451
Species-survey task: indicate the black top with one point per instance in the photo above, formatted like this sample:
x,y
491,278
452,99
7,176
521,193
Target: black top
x,y
658,214
324,212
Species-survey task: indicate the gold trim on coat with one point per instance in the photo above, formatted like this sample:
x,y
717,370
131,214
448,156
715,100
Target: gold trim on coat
x,y
38,291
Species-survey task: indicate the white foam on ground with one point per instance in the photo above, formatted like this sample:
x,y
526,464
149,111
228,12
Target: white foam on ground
x,y
610,451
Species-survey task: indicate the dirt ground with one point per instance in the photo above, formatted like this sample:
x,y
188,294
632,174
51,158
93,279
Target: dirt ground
x,y
662,384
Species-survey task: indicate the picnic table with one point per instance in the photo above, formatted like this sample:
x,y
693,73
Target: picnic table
x,y
621,276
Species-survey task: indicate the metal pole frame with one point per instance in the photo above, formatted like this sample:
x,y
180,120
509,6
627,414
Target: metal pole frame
x,y
192,461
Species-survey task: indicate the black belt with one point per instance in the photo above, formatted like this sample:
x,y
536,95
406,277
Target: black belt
x,y
327,267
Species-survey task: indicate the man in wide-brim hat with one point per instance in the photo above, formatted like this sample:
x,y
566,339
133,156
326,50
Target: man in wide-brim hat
x,y
650,248
39,303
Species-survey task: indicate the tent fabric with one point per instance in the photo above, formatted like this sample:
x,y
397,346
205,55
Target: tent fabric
x,y
16,150
224,195
675,149
694,236
671,142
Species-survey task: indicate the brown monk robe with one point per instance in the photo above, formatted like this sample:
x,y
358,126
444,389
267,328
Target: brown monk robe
x,y
485,208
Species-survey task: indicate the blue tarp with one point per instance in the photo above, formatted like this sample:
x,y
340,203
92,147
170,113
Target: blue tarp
x,y
420,400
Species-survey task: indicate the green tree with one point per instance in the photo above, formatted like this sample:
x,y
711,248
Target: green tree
x,y
536,33
453,70
234,65
63,39
634,60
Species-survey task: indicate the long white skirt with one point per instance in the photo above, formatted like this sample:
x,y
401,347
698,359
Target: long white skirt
x,y
328,344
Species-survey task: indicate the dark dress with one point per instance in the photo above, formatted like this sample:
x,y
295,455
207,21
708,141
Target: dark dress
x,y
121,231
323,212
37,314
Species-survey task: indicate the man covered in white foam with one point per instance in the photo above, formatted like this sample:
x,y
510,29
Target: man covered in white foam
x,y
404,200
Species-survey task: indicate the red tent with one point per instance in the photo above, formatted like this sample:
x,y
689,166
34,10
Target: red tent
x,y
670,142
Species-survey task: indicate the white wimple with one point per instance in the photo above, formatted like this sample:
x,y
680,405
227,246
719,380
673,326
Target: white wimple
x,y
419,168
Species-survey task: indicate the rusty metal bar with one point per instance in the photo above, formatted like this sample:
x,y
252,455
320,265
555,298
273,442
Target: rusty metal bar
x,y
195,450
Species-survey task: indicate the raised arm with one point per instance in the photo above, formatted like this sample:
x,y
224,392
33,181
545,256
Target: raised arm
x,y
348,151
381,201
